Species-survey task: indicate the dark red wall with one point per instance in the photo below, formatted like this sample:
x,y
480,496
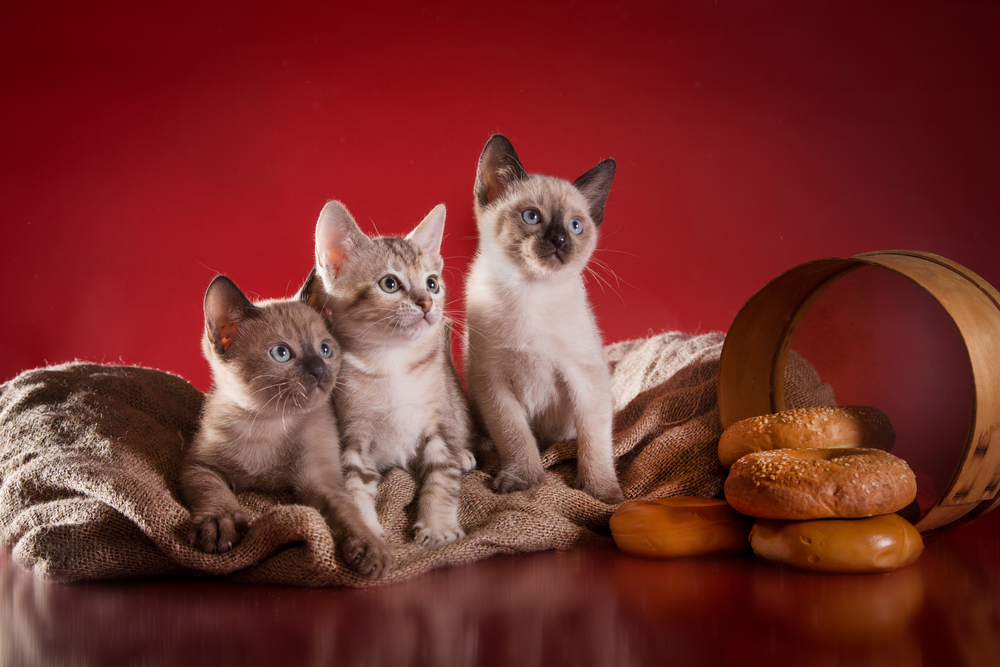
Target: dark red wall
x,y
143,150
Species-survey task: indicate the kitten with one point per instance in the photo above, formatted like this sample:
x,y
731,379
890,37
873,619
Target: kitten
x,y
399,399
268,424
534,357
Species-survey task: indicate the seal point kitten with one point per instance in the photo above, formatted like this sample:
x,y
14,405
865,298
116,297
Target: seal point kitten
x,y
534,357
399,400
268,424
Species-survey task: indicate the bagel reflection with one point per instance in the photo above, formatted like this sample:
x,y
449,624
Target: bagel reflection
x,y
843,608
843,619
679,590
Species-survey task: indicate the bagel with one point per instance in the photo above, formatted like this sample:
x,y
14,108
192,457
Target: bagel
x,y
680,526
876,544
803,484
829,427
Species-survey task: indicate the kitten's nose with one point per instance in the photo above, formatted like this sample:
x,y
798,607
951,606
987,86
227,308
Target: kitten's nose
x,y
422,299
315,366
556,235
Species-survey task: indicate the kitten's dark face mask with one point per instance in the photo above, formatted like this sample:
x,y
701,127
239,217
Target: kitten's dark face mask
x,y
556,240
545,230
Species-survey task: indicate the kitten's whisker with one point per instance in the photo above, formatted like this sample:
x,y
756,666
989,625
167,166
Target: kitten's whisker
x,y
388,317
465,335
601,282
607,269
258,411
270,386
622,252
601,264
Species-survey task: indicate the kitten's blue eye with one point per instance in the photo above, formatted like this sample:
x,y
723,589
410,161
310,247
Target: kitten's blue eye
x,y
531,216
325,350
389,284
433,285
576,226
280,353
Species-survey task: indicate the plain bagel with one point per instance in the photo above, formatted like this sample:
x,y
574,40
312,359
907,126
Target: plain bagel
x,y
679,526
802,484
876,544
829,427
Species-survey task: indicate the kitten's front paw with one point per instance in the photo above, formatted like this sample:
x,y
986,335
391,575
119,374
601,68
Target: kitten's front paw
x,y
513,479
467,460
372,558
217,533
608,492
436,537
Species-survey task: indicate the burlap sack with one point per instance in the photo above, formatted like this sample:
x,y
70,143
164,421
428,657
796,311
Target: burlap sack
x,y
89,458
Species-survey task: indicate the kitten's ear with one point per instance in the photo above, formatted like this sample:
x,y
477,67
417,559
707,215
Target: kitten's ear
x,y
499,167
337,237
428,234
595,185
226,308
313,294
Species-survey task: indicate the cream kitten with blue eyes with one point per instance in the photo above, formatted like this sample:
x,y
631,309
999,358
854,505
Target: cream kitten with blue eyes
x,y
268,424
534,357
399,399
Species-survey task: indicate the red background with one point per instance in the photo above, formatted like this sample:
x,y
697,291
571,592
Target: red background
x,y
144,149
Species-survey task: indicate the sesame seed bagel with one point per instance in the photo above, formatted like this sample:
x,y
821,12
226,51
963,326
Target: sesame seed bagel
x,y
802,484
828,427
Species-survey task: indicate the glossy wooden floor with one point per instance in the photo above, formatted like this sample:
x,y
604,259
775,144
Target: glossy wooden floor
x,y
595,607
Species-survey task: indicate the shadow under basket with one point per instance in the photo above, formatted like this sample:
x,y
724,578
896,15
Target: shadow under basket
x,y
752,368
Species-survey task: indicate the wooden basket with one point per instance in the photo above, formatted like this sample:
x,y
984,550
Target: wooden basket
x,y
752,368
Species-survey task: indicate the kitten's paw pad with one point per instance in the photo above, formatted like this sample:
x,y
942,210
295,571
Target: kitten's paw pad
x,y
467,460
436,537
510,481
372,558
217,533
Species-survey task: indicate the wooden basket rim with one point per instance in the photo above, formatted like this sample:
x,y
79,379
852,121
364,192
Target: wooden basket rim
x,y
752,366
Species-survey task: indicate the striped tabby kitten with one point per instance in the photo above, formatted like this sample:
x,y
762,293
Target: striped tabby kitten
x,y
267,424
534,357
399,400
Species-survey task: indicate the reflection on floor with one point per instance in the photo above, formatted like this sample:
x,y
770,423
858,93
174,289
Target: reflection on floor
x,y
595,607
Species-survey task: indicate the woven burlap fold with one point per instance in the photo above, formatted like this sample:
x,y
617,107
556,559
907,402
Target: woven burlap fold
x,y
89,457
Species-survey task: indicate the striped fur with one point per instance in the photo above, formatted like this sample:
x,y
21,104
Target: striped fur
x,y
399,400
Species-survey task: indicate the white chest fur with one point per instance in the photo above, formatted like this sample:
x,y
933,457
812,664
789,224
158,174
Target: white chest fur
x,y
552,316
541,334
388,404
